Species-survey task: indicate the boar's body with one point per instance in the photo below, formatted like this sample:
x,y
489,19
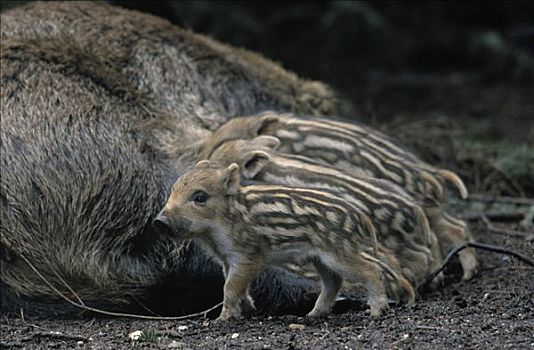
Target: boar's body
x,y
94,101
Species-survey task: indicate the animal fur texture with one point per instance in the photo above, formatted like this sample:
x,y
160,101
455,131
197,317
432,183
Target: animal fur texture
x,y
247,226
101,111
360,150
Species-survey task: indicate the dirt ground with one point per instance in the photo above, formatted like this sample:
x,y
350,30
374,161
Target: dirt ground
x,y
494,310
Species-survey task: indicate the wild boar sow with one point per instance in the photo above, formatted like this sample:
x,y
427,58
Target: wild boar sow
x,y
97,104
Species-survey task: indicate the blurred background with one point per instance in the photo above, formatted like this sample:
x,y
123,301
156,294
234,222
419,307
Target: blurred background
x,y
452,80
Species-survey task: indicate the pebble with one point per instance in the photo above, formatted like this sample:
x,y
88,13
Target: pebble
x,y
175,344
135,335
182,328
235,335
296,326
80,343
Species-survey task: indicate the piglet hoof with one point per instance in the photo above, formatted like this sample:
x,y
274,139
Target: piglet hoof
x,y
376,313
469,263
315,313
229,314
377,307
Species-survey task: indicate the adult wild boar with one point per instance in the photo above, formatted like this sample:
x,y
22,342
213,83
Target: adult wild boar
x,y
95,99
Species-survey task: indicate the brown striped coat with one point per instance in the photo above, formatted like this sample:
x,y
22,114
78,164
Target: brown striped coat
x,y
400,222
245,226
360,150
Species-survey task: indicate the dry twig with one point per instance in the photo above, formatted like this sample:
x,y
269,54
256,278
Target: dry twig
x,y
433,328
58,335
81,305
497,217
500,199
494,229
487,247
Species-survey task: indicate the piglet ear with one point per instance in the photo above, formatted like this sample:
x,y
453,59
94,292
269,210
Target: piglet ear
x,y
231,179
267,141
203,164
267,125
252,163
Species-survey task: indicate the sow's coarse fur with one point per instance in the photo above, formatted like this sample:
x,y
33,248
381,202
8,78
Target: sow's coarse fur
x,y
95,101
359,149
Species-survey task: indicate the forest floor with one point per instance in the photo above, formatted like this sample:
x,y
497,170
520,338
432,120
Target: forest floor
x,y
493,310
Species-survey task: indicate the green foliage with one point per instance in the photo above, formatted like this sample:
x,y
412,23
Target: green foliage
x,y
149,336
516,160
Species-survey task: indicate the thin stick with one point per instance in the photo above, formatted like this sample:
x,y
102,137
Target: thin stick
x,y
68,287
495,216
487,247
116,314
494,229
500,199
143,305
433,328
59,335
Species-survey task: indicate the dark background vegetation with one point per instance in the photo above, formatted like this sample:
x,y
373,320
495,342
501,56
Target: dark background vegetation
x,y
453,80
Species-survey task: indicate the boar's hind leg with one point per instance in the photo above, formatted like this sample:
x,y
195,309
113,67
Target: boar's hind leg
x,y
331,283
363,269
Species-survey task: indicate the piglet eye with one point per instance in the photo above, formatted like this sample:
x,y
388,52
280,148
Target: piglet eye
x,y
199,197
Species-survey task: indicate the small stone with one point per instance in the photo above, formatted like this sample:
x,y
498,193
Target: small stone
x,y
182,328
134,336
297,326
405,336
175,344
235,335
486,296
80,343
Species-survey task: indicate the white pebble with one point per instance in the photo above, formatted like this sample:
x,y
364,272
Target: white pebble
x,y
296,326
175,344
135,335
405,336
182,328
235,335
